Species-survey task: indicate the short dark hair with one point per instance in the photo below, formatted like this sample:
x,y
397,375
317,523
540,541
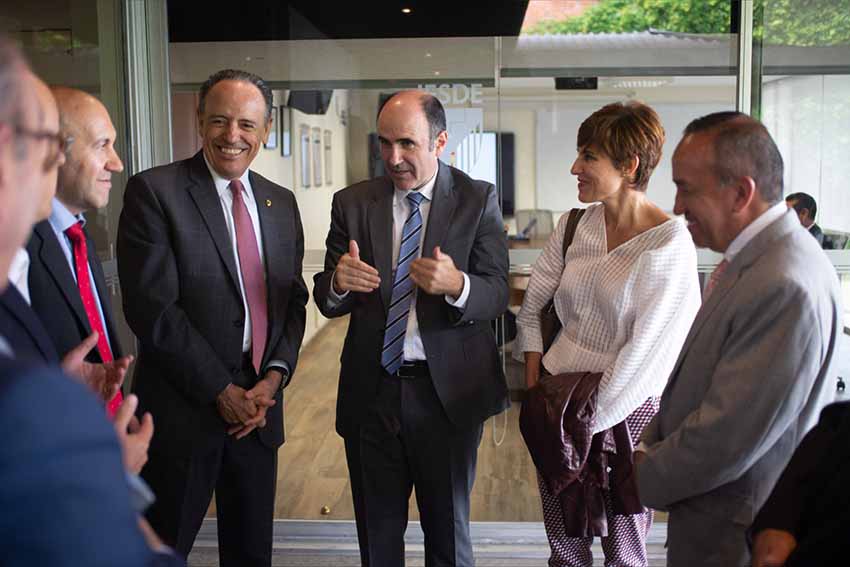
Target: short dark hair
x,y
743,148
237,75
802,201
434,112
623,131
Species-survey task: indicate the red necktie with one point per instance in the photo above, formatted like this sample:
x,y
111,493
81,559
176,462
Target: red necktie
x,y
81,262
253,277
713,279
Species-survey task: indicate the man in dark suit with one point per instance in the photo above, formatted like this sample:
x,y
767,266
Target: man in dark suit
x,y
805,520
209,258
66,283
806,208
419,260
63,491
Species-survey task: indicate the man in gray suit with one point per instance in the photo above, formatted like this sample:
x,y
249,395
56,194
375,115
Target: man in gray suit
x,y
419,259
754,371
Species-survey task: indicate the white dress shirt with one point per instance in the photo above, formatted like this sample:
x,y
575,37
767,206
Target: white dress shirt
x,y
413,347
19,273
751,230
61,219
225,196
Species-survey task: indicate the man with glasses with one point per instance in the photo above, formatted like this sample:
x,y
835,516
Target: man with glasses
x,y
67,286
62,484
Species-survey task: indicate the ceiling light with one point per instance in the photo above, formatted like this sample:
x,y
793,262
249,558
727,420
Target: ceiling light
x,y
437,73
427,55
406,11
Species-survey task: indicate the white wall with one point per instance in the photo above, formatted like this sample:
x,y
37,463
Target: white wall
x,y
557,125
809,117
314,203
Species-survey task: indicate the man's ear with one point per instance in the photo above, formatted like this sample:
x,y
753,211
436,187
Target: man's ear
x,y
269,125
440,142
745,191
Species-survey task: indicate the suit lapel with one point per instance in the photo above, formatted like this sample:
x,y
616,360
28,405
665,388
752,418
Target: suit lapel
x,y
754,249
441,212
273,231
54,259
203,192
380,219
17,308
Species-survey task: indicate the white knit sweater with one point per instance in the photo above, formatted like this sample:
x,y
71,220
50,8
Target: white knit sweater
x,y
626,313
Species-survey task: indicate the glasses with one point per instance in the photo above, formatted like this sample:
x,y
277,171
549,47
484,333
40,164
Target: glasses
x,y
59,145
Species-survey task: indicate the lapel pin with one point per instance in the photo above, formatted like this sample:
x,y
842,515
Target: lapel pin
x,y
268,202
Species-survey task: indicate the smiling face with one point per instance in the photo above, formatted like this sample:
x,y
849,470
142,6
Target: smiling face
x,y
410,158
709,206
233,127
86,178
598,179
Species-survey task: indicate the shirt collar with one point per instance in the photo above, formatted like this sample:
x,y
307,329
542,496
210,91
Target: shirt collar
x,y
426,190
61,219
222,184
751,230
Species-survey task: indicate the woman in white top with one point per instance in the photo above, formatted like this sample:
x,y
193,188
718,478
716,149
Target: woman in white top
x,y
626,295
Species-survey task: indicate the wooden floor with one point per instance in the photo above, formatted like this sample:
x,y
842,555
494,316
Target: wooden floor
x,y
312,472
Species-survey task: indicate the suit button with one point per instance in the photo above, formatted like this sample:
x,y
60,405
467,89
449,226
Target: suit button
x,y
234,370
238,323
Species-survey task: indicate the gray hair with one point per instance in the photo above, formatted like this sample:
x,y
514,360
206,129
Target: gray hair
x,y
743,148
237,75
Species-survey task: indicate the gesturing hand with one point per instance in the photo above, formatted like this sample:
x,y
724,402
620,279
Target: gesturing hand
x,y
103,379
352,274
134,437
437,275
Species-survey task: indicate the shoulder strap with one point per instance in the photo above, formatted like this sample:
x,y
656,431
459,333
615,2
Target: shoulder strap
x,y
570,230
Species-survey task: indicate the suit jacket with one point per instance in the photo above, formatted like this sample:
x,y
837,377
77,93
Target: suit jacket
x,y
752,376
63,489
816,231
465,221
24,331
55,296
811,500
180,288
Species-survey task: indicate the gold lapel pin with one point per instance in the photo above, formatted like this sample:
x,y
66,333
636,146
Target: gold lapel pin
x,y
268,202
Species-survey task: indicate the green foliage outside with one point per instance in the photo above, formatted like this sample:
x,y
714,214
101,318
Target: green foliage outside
x,y
785,22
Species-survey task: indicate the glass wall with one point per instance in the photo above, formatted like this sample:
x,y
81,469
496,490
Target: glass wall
x,y
514,104
79,43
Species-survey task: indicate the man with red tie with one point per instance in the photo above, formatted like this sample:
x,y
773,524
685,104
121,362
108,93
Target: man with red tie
x,y
209,257
67,287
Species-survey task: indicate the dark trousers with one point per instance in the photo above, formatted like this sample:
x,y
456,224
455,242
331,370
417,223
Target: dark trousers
x,y
243,474
407,441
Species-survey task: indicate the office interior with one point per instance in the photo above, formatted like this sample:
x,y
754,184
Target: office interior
x,y
514,101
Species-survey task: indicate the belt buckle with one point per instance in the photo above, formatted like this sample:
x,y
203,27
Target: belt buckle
x,y
406,366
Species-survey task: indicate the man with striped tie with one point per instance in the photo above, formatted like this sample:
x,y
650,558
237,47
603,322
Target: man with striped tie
x,y
419,260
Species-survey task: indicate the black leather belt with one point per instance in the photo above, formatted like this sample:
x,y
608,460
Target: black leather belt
x,y
413,369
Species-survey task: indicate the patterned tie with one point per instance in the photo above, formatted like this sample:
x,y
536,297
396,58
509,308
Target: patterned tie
x,y
253,277
403,287
713,279
81,262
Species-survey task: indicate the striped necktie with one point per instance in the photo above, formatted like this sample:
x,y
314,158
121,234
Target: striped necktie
x,y
403,287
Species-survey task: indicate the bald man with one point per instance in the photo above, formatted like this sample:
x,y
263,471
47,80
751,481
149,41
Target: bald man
x,y
67,287
419,260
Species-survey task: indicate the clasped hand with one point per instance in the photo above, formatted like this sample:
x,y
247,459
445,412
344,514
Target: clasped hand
x,y
245,410
437,275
